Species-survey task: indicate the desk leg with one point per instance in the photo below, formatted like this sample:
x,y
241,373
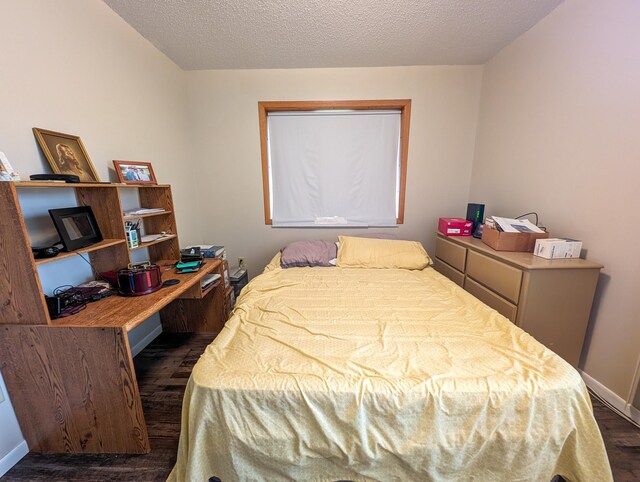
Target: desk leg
x,y
74,389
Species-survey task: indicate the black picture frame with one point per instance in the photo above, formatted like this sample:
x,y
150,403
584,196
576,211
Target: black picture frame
x,y
76,226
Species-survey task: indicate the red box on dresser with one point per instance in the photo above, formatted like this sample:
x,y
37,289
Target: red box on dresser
x,y
455,226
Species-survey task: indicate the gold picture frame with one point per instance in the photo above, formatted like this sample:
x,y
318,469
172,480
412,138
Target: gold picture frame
x,y
66,154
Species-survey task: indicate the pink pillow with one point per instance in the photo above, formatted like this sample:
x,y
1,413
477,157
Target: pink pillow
x,y
313,252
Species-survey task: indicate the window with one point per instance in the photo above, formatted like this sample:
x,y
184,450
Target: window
x,y
334,162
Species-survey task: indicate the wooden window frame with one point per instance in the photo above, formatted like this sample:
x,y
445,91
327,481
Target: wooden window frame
x,y
403,105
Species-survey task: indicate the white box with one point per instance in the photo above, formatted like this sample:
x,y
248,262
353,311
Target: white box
x,y
554,248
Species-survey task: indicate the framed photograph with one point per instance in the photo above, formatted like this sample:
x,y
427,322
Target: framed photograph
x,y
135,172
7,173
66,154
76,226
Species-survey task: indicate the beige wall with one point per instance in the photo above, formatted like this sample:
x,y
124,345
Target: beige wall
x,y
74,66
223,109
559,133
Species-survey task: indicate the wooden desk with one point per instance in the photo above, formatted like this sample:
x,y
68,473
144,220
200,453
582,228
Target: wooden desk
x,y
73,383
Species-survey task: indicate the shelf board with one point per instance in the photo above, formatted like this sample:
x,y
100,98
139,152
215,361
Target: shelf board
x,y
105,243
149,215
145,186
60,184
85,184
151,243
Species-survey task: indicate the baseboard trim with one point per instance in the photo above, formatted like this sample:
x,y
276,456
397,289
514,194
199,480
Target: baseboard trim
x,y
138,347
634,413
603,392
608,396
13,457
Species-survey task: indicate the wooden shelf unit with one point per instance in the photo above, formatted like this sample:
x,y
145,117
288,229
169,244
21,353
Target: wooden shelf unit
x,y
72,380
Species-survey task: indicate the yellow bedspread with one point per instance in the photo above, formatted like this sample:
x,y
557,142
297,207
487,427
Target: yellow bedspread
x,y
380,374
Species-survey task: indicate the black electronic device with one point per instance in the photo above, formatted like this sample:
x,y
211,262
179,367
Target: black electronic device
x,y
239,279
190,254
54,306
55,177
66,300
475,214
47,252
188,267
76,226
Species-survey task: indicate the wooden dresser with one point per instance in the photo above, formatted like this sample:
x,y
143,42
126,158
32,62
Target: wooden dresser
x,y
549,299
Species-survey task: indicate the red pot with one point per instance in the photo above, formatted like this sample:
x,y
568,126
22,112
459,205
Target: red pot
x,y
138,281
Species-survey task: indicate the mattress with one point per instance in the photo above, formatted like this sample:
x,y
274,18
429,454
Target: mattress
x,y
381,374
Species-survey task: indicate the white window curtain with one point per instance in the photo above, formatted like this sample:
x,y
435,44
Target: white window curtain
x,y
334,167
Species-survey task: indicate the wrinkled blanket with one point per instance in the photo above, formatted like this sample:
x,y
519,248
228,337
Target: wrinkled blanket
x,y
381,374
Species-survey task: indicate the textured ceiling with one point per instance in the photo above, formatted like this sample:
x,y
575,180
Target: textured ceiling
x,y
218,34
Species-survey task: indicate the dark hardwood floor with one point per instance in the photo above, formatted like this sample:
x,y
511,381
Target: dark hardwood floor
x,y
622,440
163,369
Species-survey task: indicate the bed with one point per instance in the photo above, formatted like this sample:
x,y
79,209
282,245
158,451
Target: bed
x,y
358,373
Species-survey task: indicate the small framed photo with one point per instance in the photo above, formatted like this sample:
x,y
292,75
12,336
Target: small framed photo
x,y
135,172
66,154
7,173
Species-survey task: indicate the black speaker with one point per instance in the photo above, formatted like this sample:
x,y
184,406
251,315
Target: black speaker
x,y
54,304
475,213
55,177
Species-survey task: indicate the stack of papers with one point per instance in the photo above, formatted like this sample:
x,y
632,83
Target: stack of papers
x,y
209,280
137,212
153,237
509,225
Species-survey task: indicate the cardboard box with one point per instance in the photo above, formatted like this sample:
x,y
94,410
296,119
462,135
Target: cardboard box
x,y
554,248
455,226
501,241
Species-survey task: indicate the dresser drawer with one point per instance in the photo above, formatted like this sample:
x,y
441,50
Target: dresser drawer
x,y
488,297
453,274
450,253
501,278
